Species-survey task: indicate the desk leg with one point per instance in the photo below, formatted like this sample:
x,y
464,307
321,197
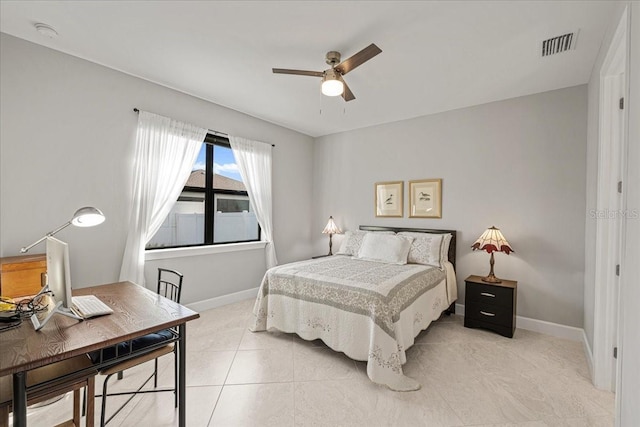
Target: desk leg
x,y
20,399
182,362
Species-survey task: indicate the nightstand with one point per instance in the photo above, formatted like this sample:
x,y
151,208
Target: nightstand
x,y
490,305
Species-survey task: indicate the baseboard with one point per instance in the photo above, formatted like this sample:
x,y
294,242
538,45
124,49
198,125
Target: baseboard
x,y
223,300
543,327
587,352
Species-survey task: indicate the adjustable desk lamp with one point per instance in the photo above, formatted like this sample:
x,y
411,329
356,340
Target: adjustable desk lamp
x,y
84,217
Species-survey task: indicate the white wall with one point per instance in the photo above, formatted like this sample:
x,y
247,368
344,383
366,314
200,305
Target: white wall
x,y
66,141
517,164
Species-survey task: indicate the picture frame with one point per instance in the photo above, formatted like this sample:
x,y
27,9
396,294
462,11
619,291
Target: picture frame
x,y
389,200
425,198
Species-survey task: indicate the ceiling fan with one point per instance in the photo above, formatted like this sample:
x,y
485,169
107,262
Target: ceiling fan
x,y
332,82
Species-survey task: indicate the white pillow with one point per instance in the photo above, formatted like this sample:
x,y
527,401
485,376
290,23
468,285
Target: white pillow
x,y
428,249
388,248
351,243
445,247
353,240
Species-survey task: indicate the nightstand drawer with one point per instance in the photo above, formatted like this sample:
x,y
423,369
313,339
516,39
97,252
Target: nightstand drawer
x,y
489,313
489,294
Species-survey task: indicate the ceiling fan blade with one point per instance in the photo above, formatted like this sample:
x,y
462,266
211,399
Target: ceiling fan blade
x,y
358,59
298,72
346,94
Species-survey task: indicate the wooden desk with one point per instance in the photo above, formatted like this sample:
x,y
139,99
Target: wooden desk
x,y
137,312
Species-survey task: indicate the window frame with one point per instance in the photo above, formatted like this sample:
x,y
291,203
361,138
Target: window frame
x,y
211,140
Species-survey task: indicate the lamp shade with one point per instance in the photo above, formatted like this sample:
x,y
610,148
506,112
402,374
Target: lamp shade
x,y
331,85
331,227
87,217
492,240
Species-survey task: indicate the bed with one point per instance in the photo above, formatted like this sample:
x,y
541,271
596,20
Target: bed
x,y
364,301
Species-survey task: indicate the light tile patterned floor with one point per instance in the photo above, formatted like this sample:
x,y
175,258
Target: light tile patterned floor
x,y
469,377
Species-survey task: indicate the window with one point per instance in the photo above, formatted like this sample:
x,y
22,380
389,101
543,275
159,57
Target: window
x,y
213,207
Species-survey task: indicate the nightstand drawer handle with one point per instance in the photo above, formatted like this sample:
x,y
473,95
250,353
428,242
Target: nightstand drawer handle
x,y
487,294
487,314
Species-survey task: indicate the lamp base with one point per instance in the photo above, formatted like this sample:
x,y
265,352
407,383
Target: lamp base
x,y
330,244
491,279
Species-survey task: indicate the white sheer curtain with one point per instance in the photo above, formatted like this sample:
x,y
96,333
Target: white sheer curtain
x,y
165,152
254,162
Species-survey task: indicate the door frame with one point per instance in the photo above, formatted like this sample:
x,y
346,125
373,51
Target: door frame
x,y
612,154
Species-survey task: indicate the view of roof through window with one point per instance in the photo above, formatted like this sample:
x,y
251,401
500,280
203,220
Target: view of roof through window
x,y
225,169
232,219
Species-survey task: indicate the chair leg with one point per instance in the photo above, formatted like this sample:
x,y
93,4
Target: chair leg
x,y
4,416
90,395
103,411
155,373
104,400
76,407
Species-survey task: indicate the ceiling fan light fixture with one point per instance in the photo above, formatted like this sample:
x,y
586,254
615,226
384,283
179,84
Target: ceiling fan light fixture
x,y
333,83
331,86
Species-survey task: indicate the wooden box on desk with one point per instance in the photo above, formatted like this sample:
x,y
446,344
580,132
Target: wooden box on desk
x,y
22,275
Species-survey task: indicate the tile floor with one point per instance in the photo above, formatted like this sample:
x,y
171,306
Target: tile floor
x,y
469,377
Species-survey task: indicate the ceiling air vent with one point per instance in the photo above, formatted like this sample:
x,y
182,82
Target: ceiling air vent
x,y
559,44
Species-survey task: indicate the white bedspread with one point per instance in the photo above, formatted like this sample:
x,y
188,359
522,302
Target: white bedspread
x,y
370,311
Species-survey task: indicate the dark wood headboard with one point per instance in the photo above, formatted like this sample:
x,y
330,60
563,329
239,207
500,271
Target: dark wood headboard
x,y
452,245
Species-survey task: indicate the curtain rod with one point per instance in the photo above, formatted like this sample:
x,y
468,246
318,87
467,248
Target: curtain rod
x,y
215,132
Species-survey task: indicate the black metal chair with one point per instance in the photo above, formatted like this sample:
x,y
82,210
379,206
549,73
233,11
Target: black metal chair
x,y
132,353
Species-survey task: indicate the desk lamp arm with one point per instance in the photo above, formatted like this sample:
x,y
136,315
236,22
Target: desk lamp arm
x,y
49,234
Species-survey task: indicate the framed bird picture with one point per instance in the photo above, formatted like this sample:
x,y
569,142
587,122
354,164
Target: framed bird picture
x,y
389,199
425,198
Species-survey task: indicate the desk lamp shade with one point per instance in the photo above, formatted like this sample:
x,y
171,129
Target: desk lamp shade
x,y
331,228
87,217
492,241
